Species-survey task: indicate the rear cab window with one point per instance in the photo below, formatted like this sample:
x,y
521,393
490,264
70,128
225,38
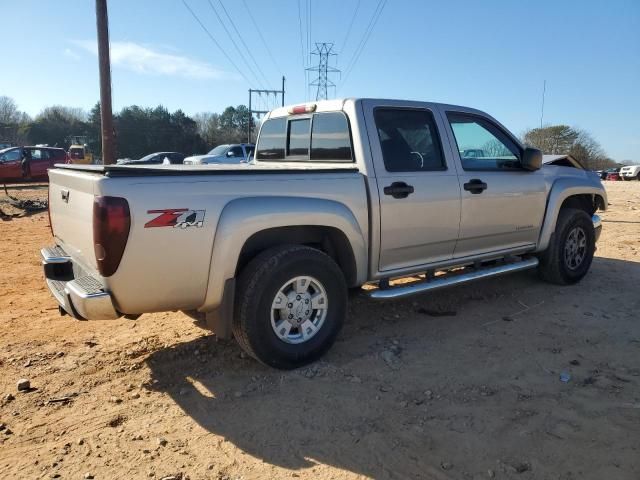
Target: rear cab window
x,y
319,137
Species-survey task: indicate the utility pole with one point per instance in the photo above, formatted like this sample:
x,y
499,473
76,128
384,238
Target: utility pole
x,y
106,114
322,82
259,111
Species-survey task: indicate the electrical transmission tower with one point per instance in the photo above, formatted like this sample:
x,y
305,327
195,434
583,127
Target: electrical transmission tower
x,y
322,82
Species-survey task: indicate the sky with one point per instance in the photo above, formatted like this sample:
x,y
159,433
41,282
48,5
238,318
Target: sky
x,y
492,55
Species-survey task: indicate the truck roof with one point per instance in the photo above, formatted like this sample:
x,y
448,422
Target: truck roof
x,y
339,103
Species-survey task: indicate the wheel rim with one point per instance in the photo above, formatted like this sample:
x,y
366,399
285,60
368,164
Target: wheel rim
x,y
299,310
575,248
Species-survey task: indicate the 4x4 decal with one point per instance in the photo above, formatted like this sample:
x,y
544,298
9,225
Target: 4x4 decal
x,y
176,218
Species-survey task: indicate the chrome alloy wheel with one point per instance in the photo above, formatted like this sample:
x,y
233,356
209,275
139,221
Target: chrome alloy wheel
x,y
299,309
575,248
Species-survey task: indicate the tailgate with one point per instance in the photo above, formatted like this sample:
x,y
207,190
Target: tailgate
x,y
71,195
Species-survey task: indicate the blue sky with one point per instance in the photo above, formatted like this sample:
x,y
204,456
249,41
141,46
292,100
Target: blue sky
x,y
492,55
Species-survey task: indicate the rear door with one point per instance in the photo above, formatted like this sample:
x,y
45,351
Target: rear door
x,y
417,184
39,162
502,204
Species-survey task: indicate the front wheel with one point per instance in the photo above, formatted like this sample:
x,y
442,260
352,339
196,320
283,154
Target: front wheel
x,y
571,248
290,305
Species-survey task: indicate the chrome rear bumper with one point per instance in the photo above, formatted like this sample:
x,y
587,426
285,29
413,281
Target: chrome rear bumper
x,y
79,295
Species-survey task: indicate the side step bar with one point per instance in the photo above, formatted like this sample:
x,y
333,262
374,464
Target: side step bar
x,y
448,281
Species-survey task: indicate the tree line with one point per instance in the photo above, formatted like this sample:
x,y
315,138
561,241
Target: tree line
x,y
563,140
139,130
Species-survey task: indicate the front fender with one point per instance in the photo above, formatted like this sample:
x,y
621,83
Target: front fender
x,y
562,189
244,217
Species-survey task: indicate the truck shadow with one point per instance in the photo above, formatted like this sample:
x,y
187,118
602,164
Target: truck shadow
x,y
366,411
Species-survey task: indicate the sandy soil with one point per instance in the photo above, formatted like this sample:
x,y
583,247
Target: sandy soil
x,y
462,384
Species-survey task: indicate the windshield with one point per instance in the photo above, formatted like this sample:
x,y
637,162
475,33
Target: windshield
x,y
219,150
76,152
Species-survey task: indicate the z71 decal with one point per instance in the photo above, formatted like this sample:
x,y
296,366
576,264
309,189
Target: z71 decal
x,y
176,218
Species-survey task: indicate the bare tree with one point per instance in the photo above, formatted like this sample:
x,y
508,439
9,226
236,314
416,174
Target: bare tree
x,y
60,112
14,124
9,112
566,140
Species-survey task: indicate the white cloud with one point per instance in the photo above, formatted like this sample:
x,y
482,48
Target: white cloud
x,y
145,60
71,54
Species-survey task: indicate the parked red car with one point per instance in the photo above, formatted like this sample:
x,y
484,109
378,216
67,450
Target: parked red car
x,y
613,176
41,158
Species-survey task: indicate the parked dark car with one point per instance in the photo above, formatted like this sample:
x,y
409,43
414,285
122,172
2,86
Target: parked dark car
x,y
38,160
155,159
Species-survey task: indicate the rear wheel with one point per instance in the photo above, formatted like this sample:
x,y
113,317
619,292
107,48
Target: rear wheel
x,y
290,305
571,248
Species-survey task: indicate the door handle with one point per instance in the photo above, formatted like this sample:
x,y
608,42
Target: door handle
x,y
398,190
475,186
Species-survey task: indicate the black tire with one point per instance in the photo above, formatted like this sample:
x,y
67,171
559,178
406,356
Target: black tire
x,y
554,266
256,291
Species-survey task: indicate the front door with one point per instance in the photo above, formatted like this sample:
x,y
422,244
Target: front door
x,y
10,164
502,204
417,185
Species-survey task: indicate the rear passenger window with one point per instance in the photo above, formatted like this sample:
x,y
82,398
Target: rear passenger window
x,y
272,140
330,140
409,140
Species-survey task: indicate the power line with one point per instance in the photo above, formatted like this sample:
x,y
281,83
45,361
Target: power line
x,y
224,25
365,36
243,42
302,49
215,42
309,30
353,18
266,45
365,39
301,36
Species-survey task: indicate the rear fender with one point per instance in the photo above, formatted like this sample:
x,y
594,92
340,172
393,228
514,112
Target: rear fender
x,y
244,217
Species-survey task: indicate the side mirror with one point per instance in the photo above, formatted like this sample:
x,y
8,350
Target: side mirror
x,y
230,154
531,159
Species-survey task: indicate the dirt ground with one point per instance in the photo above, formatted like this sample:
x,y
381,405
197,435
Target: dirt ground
x,y
460,384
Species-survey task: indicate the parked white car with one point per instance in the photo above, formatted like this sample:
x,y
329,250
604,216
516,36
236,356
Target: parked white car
x,y
238,153
631,172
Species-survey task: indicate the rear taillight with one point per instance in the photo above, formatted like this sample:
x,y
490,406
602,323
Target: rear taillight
x,y
111,223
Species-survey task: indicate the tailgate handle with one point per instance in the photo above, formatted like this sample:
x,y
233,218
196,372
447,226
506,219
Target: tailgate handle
x,y
65,195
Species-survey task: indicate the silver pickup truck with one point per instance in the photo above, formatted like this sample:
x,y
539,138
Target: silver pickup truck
x,y
341,193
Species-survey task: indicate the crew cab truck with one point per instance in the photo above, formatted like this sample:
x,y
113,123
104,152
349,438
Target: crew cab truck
x,y
342,193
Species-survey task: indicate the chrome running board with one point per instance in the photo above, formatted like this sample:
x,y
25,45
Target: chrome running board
x,y
448,280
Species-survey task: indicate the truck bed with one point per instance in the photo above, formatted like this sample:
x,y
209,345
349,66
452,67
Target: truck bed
x,y
221,169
